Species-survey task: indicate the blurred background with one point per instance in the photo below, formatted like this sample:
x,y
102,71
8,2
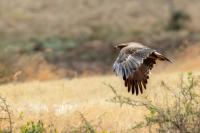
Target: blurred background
x,y
52,39
70,44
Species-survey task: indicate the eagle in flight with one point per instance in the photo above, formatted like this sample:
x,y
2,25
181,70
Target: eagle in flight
x,y
134,63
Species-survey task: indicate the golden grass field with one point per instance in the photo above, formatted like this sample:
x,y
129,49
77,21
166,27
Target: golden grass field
x,y
60,101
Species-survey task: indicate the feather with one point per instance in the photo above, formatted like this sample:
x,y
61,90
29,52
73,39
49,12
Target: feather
x,y
136,88
134,64
129,85
133,89
140,86
144,84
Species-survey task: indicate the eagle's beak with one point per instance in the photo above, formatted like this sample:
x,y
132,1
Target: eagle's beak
x,y
115,47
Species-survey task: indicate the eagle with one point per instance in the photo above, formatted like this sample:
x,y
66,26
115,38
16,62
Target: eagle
x,y
134,63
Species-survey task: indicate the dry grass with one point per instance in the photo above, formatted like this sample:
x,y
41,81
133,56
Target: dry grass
x,y
59,102
183,60
191,57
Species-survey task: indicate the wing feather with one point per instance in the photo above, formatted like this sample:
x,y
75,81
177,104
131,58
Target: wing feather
x,y
133,89
134,65
129,85
144,84
136,88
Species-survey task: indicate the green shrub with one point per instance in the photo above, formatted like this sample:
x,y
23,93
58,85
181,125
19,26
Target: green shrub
x,y
182,116
32,127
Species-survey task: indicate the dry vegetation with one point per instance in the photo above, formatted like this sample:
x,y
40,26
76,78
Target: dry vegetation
x,y
59,103
178,112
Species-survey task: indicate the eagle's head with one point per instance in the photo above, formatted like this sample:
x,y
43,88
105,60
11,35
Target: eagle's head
x,y
130,44
120,46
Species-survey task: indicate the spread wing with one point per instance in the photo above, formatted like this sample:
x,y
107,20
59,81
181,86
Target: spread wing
x,y
134,66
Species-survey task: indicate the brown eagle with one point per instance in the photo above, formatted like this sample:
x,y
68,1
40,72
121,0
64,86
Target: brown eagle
x,y
134,64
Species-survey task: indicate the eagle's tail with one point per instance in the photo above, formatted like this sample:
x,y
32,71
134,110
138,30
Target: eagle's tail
x,y
161,57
